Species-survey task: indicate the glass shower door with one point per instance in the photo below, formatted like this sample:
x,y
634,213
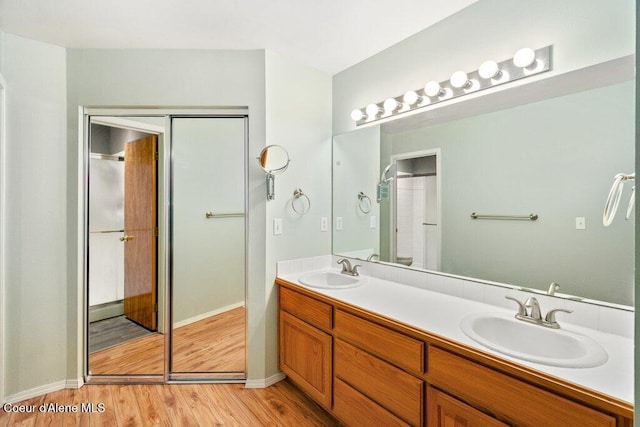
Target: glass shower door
x,y
208,247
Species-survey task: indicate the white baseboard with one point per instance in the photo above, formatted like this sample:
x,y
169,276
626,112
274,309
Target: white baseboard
x,y
76,384
35,392
207,314
265,382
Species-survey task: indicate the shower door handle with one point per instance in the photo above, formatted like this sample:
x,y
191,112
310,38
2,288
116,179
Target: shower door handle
x,y
126,238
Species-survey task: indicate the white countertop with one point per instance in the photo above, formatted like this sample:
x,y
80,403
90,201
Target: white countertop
x,y
441,314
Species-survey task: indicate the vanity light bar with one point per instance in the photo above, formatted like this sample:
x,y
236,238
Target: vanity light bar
x,y
526,62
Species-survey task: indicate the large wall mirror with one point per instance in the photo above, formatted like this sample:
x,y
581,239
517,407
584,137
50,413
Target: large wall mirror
x,y
555,158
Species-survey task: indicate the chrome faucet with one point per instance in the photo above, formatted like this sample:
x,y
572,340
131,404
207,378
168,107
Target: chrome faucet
x,y
372,256
553,287
347,268
530,312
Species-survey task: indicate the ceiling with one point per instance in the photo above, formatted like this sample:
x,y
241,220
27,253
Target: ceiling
x,y
330,35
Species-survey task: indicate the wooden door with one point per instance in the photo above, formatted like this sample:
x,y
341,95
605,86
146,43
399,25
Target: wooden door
x,y
140,222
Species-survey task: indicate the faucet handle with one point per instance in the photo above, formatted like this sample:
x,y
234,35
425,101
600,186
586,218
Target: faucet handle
x,y
354,270
550,318
534,305
522,309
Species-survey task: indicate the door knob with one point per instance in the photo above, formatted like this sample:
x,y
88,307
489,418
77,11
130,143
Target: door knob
x,y
126,238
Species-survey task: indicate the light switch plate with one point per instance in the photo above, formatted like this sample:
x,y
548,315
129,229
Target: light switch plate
x,y
277,226
581,223
339,223
373,221
324,223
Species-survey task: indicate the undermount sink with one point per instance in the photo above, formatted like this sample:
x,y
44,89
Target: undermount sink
x,y
330,280
534,343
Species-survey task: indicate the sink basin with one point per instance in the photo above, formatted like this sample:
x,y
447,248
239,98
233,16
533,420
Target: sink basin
x,y
330,280
535,343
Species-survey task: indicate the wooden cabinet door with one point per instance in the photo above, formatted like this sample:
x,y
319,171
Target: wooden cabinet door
x,y
305,356
445,411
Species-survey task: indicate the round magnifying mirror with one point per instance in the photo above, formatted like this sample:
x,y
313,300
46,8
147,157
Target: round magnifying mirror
x,y
274,159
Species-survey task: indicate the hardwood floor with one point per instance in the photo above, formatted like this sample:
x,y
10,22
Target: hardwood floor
x,y
175,405
214,344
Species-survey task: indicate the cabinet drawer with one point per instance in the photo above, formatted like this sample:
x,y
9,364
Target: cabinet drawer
x,y
387,385
355,409
306,308
399,349
443,411
507,398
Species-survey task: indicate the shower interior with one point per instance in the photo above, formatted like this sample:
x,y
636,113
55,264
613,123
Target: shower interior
x,y
417,212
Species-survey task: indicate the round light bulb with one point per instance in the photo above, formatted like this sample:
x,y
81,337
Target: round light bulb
x,y
433,88
459,80
372,110
390,105
489,70
524,58
411,97
357,115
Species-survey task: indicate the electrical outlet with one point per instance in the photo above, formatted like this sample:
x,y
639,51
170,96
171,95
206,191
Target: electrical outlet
x,y
277,226
373,221
580,223
324,224
339,223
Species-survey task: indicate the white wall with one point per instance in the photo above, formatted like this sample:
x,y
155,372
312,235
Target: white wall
x,y
298,111
36,221
208,254
582,33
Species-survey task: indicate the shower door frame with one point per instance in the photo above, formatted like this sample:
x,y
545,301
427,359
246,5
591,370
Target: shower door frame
x,y
164,235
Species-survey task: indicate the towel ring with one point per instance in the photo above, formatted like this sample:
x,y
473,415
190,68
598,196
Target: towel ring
x,y
364,200
613,200
296,195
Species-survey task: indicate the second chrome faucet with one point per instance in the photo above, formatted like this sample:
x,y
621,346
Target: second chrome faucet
x,y
529,311
347,269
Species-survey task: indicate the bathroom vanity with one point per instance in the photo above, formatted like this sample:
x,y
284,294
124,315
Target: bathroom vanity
x,y
368,366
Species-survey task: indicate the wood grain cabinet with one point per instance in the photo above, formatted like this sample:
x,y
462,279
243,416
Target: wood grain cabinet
x,y
446,411
373,371
508,398
305,350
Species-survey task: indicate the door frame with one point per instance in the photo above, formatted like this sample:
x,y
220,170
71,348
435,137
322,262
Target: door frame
x,y
394,189
115,116
3,115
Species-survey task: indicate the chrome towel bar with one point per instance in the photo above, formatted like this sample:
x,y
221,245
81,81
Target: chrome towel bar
x,y
530,217
224,215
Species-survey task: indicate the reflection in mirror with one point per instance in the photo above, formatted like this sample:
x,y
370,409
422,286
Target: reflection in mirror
x,y
274,160
208,248
124,335
556,158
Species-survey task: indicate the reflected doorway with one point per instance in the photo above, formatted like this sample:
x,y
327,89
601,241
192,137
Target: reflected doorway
x,y
416,209
122,264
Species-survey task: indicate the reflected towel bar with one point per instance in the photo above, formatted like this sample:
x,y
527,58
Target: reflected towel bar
x,y
531,217
224,215
108,231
